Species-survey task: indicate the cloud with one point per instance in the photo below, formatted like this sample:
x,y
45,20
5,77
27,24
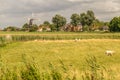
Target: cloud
x,y
74,0
80,0
27,6
16,12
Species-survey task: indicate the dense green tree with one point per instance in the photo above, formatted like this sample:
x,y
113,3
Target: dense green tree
x,y
11,28
26,27
58,21
83,19
34,27
91,17
53,28
91,14
96,25
106,23
46,23
114,24
75,19
87,18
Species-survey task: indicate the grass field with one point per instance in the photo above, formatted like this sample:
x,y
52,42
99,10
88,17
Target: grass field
x,y
72,53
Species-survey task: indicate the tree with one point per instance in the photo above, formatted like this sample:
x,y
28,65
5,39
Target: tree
x,y
87,18
52,26
83,19
33,28
91,17
96,25
75,19
26,27
114,24
46,23
11,28
58,21
45,26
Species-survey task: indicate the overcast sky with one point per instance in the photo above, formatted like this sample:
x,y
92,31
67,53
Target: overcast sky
x,y
17,12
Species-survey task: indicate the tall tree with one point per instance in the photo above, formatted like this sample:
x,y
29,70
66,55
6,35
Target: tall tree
x,y
59,21
83,19
91,17
87,18
75,19
33,28
11,28
26,27
95,25
46,23
114,24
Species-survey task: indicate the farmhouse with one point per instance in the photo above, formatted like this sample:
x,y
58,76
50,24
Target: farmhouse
x,y
70,27
105,28
43,28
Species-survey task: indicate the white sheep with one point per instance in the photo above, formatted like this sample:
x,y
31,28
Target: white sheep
x,y
109,53
77,39
35,40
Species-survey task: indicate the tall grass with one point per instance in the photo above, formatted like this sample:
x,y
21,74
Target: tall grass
x,y
30,71
58,36
63,37
95,71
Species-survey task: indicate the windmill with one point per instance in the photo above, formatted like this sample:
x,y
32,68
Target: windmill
x,y
30,21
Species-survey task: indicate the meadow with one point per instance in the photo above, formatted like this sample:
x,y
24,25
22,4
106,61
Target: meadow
x,y
70,59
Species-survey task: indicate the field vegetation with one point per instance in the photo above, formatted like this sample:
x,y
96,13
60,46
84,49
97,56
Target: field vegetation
x,y
60,59
26,36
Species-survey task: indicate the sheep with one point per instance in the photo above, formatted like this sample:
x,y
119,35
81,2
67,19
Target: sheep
x,y
76,39
109,53
35,40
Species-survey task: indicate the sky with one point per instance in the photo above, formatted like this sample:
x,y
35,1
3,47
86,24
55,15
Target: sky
x,y
17,12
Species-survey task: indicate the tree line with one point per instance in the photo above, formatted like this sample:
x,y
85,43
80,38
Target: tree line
x,y
87,20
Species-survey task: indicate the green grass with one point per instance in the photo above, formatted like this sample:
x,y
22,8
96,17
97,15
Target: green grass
x,y
73,54
27,36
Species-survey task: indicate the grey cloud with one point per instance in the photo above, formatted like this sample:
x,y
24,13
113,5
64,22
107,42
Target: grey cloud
x,y
116,1
36,6
16,12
